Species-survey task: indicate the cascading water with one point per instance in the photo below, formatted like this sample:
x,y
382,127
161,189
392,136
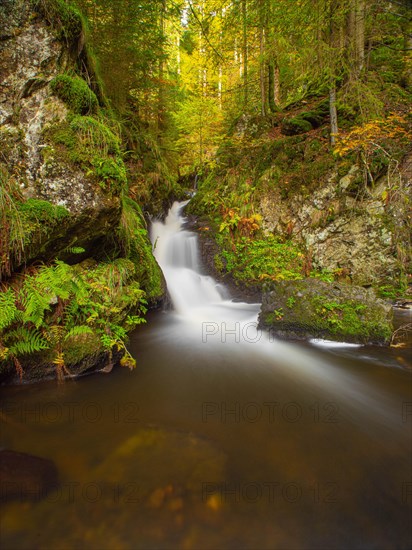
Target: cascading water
x,y
231,328
177,254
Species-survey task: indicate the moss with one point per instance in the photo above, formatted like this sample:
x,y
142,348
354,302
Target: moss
x,y
315,118
75,93
93,146
136,246
42,212
294,126
219,263
336,311
64,17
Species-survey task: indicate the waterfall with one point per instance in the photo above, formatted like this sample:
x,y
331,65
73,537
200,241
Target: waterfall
x,y
177,254
230,329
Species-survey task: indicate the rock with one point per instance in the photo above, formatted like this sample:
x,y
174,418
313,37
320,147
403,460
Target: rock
x,y
295,126
26,477
33,125
82,358
342,232
311,308
184,462
403,304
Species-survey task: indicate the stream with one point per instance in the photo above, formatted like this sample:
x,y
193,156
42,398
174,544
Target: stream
x,y
222,437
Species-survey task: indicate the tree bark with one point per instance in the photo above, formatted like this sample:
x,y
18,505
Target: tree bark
x,y
360,35
262,72
333,114
245,54
274,86
160,100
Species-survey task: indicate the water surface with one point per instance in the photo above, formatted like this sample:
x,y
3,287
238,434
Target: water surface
x,y
221,438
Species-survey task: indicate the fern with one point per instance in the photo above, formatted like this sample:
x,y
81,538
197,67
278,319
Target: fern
x,y
74,250
79,330
8,309
43,290
35,302
22,341
59,303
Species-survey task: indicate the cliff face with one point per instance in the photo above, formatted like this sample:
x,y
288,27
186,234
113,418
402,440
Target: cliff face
x,y
340,231
32,54
76,265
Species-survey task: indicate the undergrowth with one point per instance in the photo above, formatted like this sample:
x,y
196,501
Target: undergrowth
x,y
55,305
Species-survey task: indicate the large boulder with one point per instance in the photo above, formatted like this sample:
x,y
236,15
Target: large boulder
x,y
63,170
312,308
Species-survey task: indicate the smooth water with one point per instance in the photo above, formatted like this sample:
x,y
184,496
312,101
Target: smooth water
x,y
223,437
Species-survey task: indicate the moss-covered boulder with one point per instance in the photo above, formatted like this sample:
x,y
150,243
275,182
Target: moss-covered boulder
x,y
75,92
312,308
80,246
62,173
295,126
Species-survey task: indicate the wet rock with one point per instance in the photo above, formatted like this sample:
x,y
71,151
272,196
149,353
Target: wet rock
x,y
312,308
26,477
83,360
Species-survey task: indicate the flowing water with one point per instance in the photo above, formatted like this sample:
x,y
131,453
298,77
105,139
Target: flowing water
x,y
223,437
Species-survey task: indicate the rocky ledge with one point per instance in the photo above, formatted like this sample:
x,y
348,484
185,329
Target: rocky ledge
x,y
311,308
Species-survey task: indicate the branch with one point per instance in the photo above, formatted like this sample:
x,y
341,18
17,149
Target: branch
x,y
203,30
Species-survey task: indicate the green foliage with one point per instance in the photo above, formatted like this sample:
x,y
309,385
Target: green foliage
x,y
32,221
12,230
258,260
8,308
74,91
57,305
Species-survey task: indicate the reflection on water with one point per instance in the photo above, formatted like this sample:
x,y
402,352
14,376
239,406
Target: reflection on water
x,y
221,438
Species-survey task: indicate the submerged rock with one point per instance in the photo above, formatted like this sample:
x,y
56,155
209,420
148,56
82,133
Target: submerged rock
x,y
26,477
311,308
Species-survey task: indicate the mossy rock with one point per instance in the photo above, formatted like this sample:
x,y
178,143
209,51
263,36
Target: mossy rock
x,y
91,145
75,92
295,126
315,117
135,244
64,18
312,308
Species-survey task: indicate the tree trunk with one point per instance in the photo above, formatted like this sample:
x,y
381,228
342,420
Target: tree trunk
x,y
274,86
336,49
360,35
160,100
262,71
333,114
245,55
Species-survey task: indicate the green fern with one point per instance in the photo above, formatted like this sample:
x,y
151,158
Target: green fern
x,y
23,341
73,250
78,330
8,309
